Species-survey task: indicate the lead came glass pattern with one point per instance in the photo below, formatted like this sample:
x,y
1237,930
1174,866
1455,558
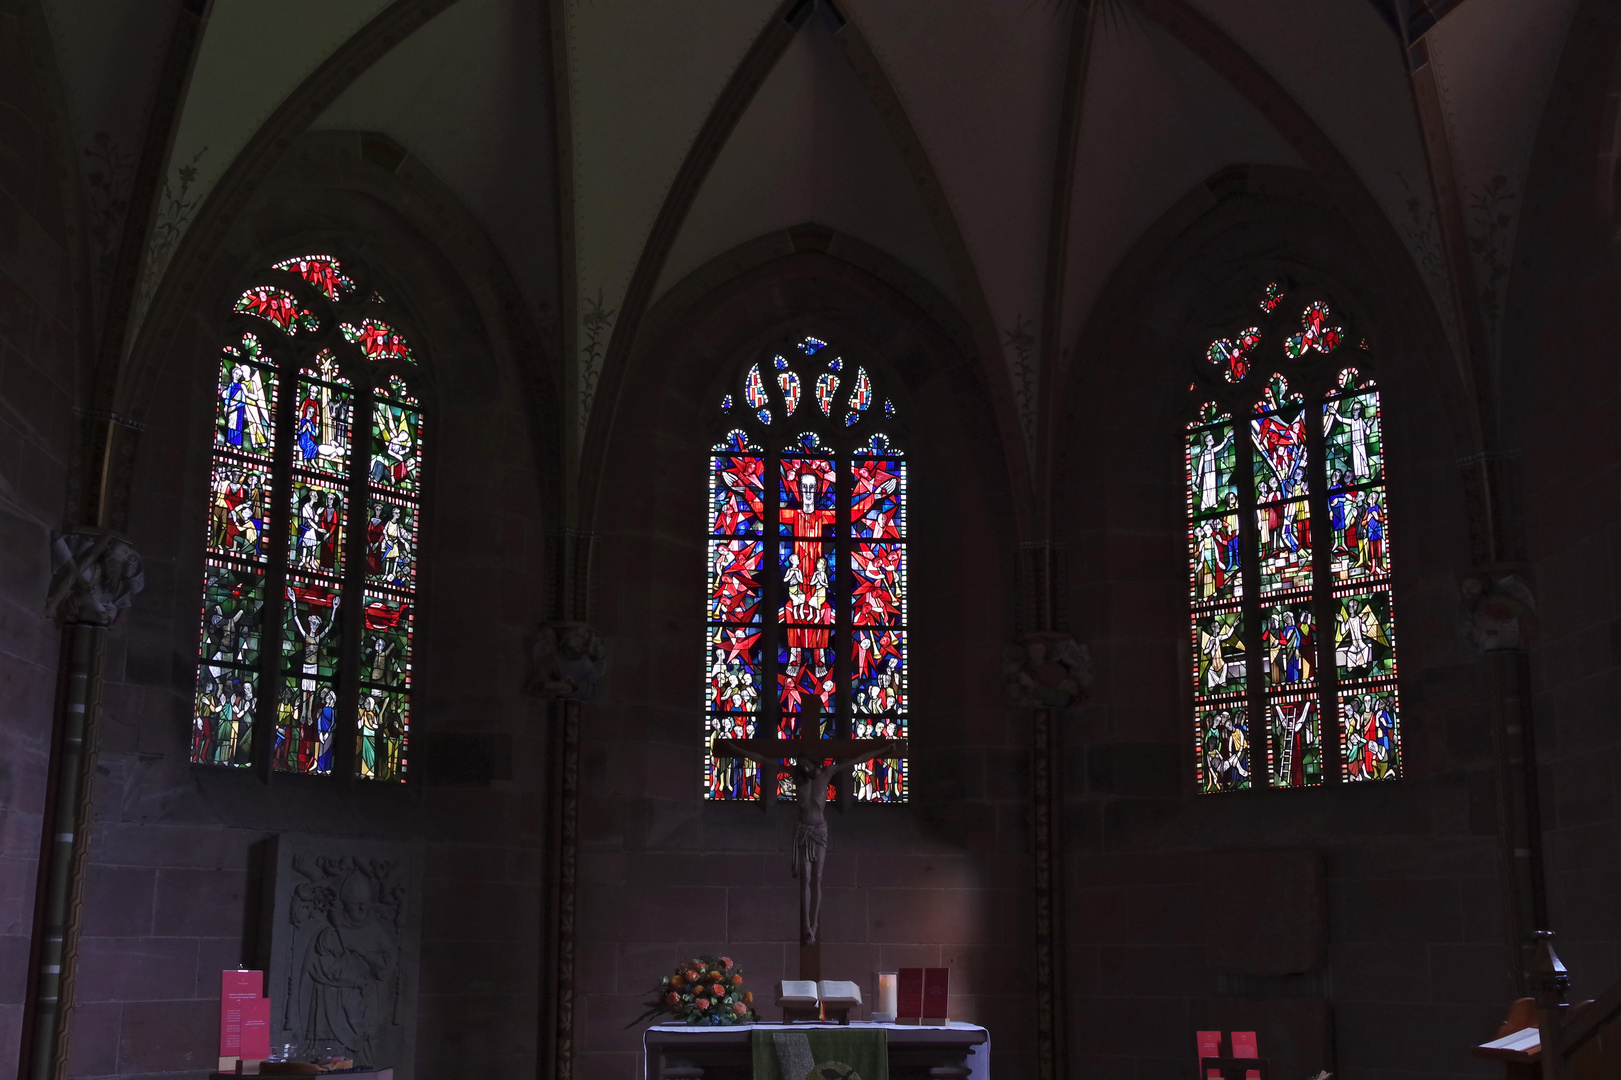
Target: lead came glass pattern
x,y
813,521
345,444
1292,627
1217,589
227,697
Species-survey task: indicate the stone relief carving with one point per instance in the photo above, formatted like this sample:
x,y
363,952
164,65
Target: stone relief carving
x,y
567,661
343,944
94,576
1499,612
1046,670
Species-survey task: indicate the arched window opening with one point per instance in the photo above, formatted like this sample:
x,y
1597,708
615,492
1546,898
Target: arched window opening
x,y
1293,632
807,568
314,499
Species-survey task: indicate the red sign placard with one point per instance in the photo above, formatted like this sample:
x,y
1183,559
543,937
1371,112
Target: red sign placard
x,y
237,990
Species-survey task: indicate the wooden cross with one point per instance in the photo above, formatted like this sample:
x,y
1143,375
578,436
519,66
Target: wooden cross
x,y
815,762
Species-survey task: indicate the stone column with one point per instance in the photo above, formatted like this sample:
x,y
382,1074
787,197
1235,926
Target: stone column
x,y
1046,671
96,574
568,659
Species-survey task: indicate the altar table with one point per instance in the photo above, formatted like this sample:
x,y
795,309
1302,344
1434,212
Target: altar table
x,y
680,1052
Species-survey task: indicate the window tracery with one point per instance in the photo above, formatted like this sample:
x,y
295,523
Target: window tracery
x,y
806,569
313,529
1290,623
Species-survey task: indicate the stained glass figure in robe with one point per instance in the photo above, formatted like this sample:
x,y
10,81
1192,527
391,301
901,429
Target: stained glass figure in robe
x,y
1352,440
1360,550
396,432
391,543
324,418
246,407
1370,734
1297,752
1224,747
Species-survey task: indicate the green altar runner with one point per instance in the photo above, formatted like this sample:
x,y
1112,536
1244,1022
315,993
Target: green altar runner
x,y
842,1054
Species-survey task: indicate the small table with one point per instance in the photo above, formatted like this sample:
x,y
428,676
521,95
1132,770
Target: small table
x,y
680,1052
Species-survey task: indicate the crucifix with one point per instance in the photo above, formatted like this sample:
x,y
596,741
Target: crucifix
x,y
811,763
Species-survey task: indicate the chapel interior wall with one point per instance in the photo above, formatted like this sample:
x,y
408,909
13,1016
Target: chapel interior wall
x,y
1355,927
666,875
1557,396
39,386
174,874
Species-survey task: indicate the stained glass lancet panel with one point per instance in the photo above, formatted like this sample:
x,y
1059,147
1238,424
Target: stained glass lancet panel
x,y
1221,713
394,486
318,520
1364,629
1281,467
228,694
734,660
878,613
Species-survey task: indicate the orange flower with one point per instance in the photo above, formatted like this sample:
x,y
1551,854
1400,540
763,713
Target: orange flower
x,y
749,997
693,976
737,980
678,982
718,990
714,974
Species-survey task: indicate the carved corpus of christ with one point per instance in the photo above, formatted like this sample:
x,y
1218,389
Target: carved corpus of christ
x,y
811,777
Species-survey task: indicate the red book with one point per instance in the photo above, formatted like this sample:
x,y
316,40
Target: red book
x,y
936,987
1210,1046
1244,1047
256,1029
237,989
909,994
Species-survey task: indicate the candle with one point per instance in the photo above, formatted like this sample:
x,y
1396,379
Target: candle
x,y
884,1012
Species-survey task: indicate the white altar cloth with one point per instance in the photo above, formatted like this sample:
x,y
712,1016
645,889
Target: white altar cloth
x,y
979,1058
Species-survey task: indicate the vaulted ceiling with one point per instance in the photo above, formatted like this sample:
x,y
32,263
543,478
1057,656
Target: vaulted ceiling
x,y
958,138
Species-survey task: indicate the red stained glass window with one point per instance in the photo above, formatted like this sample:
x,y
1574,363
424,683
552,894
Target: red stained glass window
x,y
314,407
807,574
1292,624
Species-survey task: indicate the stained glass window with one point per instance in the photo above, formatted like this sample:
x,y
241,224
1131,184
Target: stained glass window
x,y
313,526
1292,628
807,595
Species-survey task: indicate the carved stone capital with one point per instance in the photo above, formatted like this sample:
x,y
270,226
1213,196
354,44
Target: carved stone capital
x,y
1046,670
94,576
1499,612
566,661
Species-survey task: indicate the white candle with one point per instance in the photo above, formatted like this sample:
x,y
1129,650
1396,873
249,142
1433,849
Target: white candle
x,y
886,995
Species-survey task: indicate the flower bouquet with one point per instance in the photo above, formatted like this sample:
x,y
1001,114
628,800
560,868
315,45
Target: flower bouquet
x,y
705,990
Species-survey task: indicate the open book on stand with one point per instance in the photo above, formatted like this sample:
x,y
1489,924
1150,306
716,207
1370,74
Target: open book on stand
x,y
804,1000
